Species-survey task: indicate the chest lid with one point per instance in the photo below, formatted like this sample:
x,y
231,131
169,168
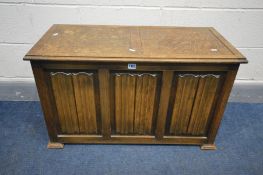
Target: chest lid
x,y
134,43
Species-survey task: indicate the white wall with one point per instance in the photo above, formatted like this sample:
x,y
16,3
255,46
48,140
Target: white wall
x,y
22,22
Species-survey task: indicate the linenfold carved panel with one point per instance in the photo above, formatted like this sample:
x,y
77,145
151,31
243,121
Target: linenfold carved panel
x,y
135,102
194,95
74,94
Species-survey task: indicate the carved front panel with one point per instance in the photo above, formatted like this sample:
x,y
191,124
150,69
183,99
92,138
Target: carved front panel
x,y
192,99
135,102
75,98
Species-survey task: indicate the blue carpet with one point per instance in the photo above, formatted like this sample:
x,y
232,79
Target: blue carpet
x,y
23,141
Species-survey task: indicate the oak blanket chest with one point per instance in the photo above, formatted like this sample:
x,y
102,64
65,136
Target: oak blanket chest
x,y
133,85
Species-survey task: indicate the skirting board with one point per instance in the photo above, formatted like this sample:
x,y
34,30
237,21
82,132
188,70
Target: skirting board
x,y
243,91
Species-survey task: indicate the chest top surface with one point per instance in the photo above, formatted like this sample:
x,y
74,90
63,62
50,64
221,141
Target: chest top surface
x,y
134,43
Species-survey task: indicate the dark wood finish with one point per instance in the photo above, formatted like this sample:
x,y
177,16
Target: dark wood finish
x,y
75,96
45,94
117,139
105,102
135,101
192,103
219,109
164,101
85,102
176,94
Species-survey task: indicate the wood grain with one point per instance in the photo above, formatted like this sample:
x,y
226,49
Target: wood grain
x,y
46,101
184,99
65,102
176,94
134,102
75,100
192,106
221,104
205,95
85,102
164,102
104,88
120,139
142,43
125,97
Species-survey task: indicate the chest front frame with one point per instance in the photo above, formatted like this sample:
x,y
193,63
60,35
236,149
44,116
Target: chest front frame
x,y
155,104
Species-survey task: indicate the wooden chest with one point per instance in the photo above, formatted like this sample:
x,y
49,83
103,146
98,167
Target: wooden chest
x,y
133,85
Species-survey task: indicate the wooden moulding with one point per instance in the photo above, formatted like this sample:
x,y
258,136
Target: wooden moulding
x,y
124,139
